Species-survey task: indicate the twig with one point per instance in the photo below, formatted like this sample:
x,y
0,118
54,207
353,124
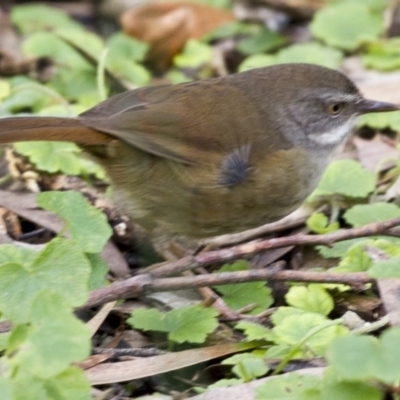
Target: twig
x,y
224,255
142,284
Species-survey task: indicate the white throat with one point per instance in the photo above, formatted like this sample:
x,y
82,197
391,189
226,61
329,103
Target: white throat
x,y
335,136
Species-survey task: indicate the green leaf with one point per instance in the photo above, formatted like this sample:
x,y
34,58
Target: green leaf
x,y
347,178
88,226
383,55
364,214
294,329
124,54
339,249
255,331
5,389
70,384
148,320
126,47
350,391
386,269
74,75
51,156
319,223
240,295
60,266
233,28
291,386
47,44
18,255
192,324
223,383
347,25
26,95
34,17
98,271
313,298
312,53
284,312
247,366
266,40
365,357
355,260
5,89
189,324
55,338
4,337
194,55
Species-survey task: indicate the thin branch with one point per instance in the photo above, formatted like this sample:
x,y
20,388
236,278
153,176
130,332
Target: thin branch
x,y
233,253
142,284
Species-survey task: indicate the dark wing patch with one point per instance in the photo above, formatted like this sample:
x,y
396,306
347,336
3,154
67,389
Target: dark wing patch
x,y
235,167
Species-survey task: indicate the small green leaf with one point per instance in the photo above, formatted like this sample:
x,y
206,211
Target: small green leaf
x,y
347,178
123,57
88,226
98,271
148,320
365,357
194,55
291,386
313,298
363,214
34,17
350,391
223,383
5,89
284,312
189,324
70,384
266,40
247,366
319,223
17,255
176,76
55,338
294,329
51,156
347,25
5,389
355,260
240,295
60,266
312,53
126,47
383,55
339,249
255,331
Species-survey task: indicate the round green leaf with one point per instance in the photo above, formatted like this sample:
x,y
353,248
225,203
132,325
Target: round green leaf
x,y
347,25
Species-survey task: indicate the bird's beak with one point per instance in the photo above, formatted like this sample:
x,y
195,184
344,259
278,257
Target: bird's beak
x,y
371,106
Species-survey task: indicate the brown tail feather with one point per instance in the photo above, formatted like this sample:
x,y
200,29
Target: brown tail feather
x,y
22,129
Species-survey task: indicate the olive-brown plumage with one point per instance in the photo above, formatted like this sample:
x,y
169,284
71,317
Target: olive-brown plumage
x,y
214,156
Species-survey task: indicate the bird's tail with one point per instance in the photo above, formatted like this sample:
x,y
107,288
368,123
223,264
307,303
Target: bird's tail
x,y
22,129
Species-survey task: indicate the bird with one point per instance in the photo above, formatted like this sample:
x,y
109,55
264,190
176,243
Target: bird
x,y
214,156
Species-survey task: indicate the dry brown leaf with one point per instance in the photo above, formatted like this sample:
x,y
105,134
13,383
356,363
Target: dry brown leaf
x,y
143,367
167,27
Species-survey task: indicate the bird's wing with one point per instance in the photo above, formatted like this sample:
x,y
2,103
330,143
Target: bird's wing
x,y
186,123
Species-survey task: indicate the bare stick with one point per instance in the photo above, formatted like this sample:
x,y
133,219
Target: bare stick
x,y
233,253
142,284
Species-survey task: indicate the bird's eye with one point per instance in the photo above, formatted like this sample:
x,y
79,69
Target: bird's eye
x,y
335,109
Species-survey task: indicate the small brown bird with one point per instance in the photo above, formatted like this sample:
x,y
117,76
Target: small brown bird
x,y
215,156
